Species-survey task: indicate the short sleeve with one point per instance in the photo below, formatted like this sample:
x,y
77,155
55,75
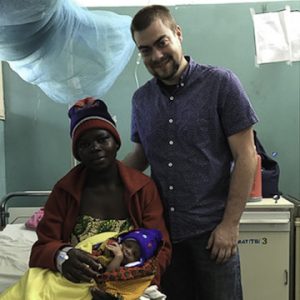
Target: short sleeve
x,y
235,109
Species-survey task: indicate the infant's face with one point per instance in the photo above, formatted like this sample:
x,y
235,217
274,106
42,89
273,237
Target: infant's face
x,y
131,251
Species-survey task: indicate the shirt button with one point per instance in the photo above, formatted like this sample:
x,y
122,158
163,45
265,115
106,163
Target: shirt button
x,y
170,164
181,84
171,98
170,120
172,208
171,142
171,187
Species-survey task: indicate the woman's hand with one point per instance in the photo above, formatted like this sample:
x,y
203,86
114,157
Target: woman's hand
x,y
98,294
80,267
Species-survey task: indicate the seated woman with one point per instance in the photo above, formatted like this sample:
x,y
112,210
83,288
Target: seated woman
x,y
100,195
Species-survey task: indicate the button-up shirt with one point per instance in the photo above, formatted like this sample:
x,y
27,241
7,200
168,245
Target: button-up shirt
x,y
183,130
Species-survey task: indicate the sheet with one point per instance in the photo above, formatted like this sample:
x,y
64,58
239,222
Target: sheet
x,y
15,246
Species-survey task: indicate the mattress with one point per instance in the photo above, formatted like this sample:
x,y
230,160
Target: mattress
x,y
15,246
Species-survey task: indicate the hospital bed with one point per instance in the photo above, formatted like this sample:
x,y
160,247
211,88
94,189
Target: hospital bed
x,y
15,240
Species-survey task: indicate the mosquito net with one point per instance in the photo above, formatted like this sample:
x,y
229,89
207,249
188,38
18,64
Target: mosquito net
x,y
68,51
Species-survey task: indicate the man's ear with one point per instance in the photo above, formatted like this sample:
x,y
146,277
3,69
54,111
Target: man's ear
x,y
178,32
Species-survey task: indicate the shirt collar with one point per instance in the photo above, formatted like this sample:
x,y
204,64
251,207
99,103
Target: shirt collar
x,y
183,77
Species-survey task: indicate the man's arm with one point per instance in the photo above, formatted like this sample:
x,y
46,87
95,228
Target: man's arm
x,y
137,158
223,240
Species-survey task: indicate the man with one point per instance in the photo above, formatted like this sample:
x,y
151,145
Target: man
x,y
192,124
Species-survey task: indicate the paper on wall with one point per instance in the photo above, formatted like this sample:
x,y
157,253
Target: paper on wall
x,y
271,41
277,36
293,25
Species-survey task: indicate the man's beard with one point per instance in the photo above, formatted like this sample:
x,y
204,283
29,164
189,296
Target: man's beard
x,y
173,69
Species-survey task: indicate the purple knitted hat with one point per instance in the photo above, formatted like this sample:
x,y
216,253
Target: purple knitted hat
x,y
148,240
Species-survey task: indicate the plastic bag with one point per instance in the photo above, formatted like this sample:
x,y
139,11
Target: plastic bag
x,y
34,220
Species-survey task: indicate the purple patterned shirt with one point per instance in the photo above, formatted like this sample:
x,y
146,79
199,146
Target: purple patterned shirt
x,y
184,134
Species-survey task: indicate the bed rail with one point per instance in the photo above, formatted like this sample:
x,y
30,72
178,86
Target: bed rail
x,y
4,214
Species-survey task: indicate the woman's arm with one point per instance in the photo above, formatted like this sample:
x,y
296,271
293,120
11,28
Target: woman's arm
x,y
50,232
54,232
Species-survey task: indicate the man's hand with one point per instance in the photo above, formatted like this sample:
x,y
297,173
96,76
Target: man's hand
x,y
223,242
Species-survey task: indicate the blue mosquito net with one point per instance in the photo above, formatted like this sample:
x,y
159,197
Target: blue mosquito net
x,y
68,51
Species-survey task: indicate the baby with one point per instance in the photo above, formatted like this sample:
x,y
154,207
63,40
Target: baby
x,y
130,249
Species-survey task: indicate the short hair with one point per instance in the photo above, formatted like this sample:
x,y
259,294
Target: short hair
x,y
148,14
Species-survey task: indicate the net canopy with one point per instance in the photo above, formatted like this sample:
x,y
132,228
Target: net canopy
x,y
66,50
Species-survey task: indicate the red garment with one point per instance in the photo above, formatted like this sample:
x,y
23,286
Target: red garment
x,y
62,208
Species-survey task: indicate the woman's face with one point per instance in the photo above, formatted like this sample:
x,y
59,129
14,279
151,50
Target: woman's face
x,y
97,149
